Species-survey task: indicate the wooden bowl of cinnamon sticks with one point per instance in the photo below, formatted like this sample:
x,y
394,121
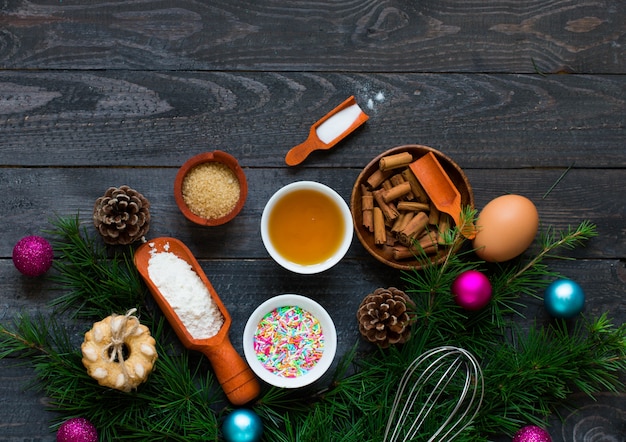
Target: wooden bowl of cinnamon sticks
x,y
394,217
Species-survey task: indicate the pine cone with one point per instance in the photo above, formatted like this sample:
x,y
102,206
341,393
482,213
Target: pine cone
x,y
121,215
385,318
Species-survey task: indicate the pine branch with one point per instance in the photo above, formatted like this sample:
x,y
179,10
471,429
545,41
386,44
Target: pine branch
x,y
176,404
552,240
93,284
527,373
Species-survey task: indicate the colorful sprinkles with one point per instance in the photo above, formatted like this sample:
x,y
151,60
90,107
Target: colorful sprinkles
x,y
289,341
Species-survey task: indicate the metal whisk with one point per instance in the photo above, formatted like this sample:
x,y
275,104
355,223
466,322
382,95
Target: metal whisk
x,y
442,375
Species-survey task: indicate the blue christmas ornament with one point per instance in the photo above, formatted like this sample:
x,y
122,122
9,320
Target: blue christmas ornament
x,y
564,299
242,425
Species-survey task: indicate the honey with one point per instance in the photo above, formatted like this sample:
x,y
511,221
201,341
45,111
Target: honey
x,y
306,226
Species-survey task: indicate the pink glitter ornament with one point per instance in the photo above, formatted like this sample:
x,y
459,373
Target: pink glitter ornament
x,y
77,429
532,433
471,290
32,255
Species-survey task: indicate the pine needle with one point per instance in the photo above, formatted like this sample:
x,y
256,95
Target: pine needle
x,y
528,372
93,283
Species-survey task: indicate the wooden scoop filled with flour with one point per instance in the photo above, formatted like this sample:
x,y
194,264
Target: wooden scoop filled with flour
x,y
195,312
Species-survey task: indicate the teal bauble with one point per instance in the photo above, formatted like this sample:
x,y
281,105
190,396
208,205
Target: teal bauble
x,y
242,425
564,299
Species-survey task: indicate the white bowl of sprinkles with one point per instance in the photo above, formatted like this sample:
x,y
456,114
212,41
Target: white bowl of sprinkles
x,y
290,341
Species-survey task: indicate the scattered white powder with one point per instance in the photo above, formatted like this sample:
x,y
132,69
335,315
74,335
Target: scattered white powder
x,y
379,97
183,289
338,123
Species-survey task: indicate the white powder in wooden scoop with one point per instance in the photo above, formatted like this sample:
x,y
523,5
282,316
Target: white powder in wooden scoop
x,y
185,292
338,123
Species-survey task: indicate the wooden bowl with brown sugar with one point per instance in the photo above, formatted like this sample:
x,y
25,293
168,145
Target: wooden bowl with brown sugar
x,y
210,188
408,225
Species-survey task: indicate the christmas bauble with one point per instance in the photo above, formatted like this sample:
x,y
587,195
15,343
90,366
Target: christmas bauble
x,y
242,425
471,290
32,255
532,433
77,429
564,299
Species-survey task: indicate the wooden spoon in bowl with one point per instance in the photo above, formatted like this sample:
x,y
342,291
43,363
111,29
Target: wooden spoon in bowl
x,y
441,190
233,373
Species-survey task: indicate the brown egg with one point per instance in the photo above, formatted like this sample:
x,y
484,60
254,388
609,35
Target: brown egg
x,y
506,226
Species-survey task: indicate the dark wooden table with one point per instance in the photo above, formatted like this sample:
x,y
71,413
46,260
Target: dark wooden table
x,y
97,94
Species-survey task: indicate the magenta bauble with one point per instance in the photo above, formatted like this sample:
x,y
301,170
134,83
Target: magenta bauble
x,y
77,429
532,433
472,290
33,255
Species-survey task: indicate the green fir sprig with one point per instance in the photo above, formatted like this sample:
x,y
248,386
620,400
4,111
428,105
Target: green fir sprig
x,y
529,371
177,404
93,281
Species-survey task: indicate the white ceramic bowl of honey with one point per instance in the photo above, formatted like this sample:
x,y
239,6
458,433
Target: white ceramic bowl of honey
x,y
306,227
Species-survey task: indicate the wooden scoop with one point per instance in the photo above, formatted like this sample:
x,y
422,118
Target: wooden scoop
x,y
440,189
328,131
232,372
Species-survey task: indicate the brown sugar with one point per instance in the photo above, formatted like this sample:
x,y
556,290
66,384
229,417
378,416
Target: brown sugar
x,y
211,190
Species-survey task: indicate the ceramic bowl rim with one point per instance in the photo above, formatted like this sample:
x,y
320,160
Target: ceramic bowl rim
x,y
347,219
210,157
330,340
355,200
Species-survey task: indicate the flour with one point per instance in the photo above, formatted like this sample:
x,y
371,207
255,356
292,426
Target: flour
x,y
338,123
380,97
185,292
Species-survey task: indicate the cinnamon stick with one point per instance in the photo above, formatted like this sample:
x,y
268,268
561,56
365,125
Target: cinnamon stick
x,y
402,252
389,210
399,179
416,225
401,222
433,216
416,187
413,229
429,240
396,192
367,206
412,206
380,233
395,161
377,178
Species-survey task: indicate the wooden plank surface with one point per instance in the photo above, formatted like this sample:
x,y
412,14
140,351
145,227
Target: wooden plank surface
x,y
581,36
160,118
97,94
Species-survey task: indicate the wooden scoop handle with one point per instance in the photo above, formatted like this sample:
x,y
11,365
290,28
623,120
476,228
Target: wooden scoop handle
x,y
299,153
238,381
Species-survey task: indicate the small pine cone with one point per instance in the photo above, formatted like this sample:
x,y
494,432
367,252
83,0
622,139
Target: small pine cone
x,y
121,215
385,318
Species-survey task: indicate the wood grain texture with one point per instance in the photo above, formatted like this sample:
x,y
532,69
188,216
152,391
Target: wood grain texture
x,y
36,195
160,118
584,36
